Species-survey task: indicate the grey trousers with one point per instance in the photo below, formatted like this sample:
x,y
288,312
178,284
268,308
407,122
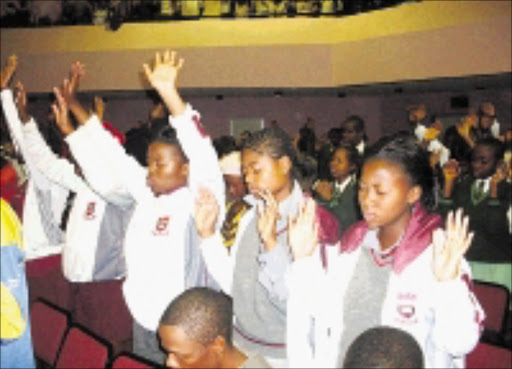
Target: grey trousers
x,y
146,344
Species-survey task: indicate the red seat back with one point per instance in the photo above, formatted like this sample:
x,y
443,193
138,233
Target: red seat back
x,y
100,307
489,356
127,360
49,325
494,299
83,350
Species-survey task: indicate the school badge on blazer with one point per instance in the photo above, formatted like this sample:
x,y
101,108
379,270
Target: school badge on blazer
x,y
162,226
90,211
406,311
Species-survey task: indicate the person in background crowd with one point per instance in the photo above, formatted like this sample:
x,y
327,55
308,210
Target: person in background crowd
x,y
460,139
354,132
488,124
428,136
340,195
485,196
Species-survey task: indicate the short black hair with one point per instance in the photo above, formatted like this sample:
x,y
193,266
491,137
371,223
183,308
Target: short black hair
x,y
403,150
162,131
202,313
384,347
353,155
224,145
357,120
494,144
306,171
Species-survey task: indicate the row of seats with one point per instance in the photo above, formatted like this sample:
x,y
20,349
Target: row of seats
x,y
100,307
61,344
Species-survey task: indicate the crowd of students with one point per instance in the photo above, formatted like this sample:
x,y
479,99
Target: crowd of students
x,y
248,254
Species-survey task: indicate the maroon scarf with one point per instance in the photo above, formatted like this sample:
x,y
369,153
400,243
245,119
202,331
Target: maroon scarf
x,y
417,237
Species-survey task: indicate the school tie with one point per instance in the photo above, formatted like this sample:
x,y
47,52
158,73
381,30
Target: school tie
x,y
477,192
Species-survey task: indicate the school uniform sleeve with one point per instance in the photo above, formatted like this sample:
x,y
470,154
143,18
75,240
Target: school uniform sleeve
x,y
12,118
458,315
304,280
45,200
218,261
203,161
106,166
56,169
15,128
271,274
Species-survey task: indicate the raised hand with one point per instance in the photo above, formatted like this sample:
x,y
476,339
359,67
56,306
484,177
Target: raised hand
x,y
497,178
325,189
99,107
165,71
449,250
8,71
70,85
206,213
303,230
21,102
67,93
267,219
60,110
163,79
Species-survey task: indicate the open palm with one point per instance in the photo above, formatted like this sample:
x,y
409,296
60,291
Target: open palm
x,y
165,71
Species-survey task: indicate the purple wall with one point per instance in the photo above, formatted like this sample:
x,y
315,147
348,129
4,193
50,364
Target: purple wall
x,y
383,114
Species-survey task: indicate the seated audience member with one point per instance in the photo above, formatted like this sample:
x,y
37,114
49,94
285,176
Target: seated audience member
x,y
427,135
307,138
340,195
397,267
325,152
196,332
181,161
485,196
45,13
416,117
384,347
354,132
488,125
460,139
16,340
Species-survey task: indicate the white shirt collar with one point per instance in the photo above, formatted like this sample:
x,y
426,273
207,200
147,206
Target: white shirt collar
x,y
343,185
486,182
360,147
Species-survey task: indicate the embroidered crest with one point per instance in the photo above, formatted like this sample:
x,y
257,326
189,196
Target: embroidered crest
x,y
90,211
162,226
406,311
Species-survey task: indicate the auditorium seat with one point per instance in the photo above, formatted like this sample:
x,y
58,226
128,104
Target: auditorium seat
x,y
82,349
49,326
